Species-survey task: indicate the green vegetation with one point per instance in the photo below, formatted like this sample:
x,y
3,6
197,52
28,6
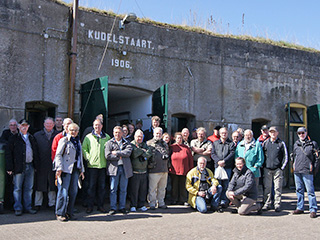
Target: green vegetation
x,y
201,30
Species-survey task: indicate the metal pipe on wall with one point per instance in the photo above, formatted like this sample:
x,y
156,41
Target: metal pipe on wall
x,y
73,59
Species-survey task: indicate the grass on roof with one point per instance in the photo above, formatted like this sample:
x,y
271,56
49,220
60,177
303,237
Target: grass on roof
x,y
264,40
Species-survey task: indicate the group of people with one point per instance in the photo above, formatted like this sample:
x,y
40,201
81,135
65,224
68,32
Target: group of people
x,y
211,170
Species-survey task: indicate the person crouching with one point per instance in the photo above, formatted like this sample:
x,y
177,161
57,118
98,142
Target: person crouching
x,y
203,187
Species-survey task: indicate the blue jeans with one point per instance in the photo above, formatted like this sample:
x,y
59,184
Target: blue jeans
x,y
121,180
201,204
23,182
65,203
302,180
224,184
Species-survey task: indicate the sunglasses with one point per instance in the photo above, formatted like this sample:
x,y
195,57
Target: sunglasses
x,y
300,133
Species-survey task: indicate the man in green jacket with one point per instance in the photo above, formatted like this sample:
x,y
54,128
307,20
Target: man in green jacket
x,y
93,152
140,156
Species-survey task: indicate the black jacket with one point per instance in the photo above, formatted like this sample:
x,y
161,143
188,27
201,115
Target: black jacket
x,y
44,176
243,183
303,155
275,154
16,153
160,155
223,151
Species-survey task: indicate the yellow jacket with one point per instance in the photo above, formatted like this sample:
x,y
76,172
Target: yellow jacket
x,y
193,183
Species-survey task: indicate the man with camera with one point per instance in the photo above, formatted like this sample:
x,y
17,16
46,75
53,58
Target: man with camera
x,y
158,175
203,187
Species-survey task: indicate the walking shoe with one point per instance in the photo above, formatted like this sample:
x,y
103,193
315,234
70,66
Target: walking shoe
x,y
277,209
133,209
266,208
18,212
298,211
143,209
220,210
234,211
259,212
224,205
163,206
71,217
123,210
152,208
112,212
89,210
101,209
313,215
186,204
61,218
31,211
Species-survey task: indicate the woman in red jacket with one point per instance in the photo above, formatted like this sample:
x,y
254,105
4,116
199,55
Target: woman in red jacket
x,y
181,164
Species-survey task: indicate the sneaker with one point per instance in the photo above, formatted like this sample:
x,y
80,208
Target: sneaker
x,y
18,212
133,209
297,211
123,210
163,206
61,218
186,204
112,212
152,208
143,209
313,215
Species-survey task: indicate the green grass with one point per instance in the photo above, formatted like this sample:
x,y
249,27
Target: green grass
x,y
200,30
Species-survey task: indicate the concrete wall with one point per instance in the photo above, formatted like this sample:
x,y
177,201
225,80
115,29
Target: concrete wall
x,y
219,80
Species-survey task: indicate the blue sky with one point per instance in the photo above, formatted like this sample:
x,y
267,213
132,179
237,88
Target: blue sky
x,y
291,21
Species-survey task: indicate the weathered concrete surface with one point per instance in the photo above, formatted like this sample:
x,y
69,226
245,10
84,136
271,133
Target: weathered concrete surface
x,y
176,222
218,80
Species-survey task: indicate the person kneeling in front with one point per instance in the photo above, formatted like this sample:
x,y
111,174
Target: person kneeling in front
x,y
203,187
242,190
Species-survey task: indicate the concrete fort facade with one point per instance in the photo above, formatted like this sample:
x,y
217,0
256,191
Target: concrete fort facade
x,y
210,80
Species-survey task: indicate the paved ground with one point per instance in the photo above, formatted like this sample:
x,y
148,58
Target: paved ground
x,y
176,222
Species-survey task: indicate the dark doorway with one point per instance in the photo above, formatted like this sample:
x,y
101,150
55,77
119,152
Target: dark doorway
x,y
256,126
36,112
182,120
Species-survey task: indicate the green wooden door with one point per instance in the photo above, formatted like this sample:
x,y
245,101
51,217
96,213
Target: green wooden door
x,y
94,101
160,105
313,114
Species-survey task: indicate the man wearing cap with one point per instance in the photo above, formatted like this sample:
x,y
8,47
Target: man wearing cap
x,y
276,159
264,134
215,136
304,151
21,157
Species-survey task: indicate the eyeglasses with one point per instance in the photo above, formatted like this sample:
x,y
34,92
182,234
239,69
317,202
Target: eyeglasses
x,y
300,133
